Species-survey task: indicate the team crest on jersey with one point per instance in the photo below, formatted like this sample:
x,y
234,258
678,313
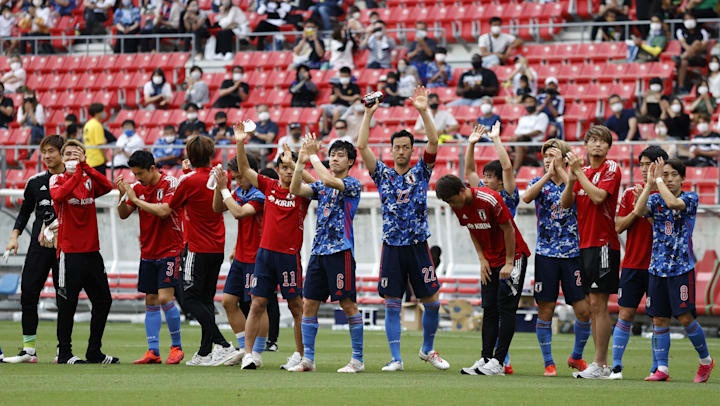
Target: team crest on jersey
x,y
290,196
538,287
482,215
410,178
596,178
271,198
88,184
159,195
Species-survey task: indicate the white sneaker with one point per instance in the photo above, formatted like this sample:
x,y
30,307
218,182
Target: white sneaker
x,y
292,361
305,365
492,367
22,358
593,371
258,359
236,358
248,362
434,359
221,354
200,361
617,376
228,56
354,366
393,366
474,369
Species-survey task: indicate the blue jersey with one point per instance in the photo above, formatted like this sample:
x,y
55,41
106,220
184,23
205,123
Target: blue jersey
x,y
335,213
174,149
511,200
672,235
404,203
557,231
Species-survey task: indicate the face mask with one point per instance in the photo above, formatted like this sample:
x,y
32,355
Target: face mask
x,y
129,133
703,127
714,66
356,15
690,24
702,90
440,57
531,109
15,65
192,116
340,132
420,34
127,3
222,124
660,130
169,139
434,106
373,20
477,65
655,87
237,77
344,81
196,75
157,80
401,68
616,107
264,116
495,29
295,135
655,26
485,108
37,3
676,108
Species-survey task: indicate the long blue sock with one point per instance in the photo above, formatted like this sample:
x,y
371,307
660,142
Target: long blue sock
x,y
621,336
259,344
661,346
582,332
654,365
507,356
153,321
393,327
240,340
310,327
697,337
543,331
356,336
172,317
430,322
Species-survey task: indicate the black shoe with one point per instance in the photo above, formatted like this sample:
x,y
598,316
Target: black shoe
x,y
617,369
271,346
102,359
69,360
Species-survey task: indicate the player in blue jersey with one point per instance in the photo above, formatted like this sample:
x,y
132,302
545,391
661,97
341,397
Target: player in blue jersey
x,y
405,252
557,256
331,270
671,284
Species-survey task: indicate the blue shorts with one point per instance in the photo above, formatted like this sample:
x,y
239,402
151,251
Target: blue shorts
x,y
671,296
400,264
551,272
633,285
274,268
157,274
330,275
240,280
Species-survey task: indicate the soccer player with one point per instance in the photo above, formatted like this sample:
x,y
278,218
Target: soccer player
x,y
161,246
594,190
40,258
331,271
245,204
278,258
556,256
80,265
205,233
405,252
638,247
671,283
502,265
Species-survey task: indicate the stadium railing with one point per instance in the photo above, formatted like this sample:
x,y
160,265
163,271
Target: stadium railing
x,y
88,39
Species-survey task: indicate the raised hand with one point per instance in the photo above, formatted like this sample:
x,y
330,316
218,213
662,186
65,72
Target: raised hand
x,y
305,153
478,132
495,132
286,156
220,178
186,164
657,171
575,162
240,134
420,98
313,145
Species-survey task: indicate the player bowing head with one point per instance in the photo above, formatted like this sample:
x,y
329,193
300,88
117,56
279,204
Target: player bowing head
x,y
142,165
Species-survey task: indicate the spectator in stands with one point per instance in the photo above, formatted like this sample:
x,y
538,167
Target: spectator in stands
x,y
523,69
94,135
704,154
7,108
71,132
622,121
166,21
553,105
327,9
619,6
475,83
265,129
232,22
128,142
192,124
195,21
8,23
652,47
531,128
661,134
523,89
15,77
388,84
342,46
340,131
70,119
275,12
31,114
445,123
409,78
714,76
353,19
233,91
422,49
652,102
344,94
39,13
702,8
127,22
157,92
438,73
95,15
221,133
293,139
380,46
676,120
63,7
694,42
197,90
609,32
704,102
309,49
488,118
168,149
496,46
303,90
354,120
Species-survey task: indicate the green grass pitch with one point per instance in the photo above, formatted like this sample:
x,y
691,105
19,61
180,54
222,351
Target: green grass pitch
x,y
128,384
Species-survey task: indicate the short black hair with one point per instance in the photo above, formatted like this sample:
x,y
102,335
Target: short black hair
x,y
448,186
95,108
159,72
688,13
141,159
193,105
220,114
195,67
494,168
614,95
128,121
495,19
381,22
678,165
71,130
653,152
347,147
346,69
238,67
252,161
656,81
433,95
658,16
529,96
278,161
400,134
441,50
270,173
71,118
169,127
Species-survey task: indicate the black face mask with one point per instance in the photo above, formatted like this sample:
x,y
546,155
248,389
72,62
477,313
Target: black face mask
x,y
551,92
434,106
477,65
221,125
530,109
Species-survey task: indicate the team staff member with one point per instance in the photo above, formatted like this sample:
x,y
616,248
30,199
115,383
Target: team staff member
x,y
93,135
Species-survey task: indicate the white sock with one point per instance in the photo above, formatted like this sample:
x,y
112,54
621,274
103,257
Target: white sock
x,y
240,334
706,361
31,350
663,368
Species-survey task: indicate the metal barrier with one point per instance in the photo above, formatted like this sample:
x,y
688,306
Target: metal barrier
x,y
87,39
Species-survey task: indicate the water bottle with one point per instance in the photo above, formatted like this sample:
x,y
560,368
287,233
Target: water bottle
x,y
212,182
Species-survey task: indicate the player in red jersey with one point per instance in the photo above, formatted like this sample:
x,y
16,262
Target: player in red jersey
x,y
595,190
502,265
205,234
161,245
78,248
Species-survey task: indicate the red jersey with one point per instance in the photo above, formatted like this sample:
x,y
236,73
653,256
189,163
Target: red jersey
x,y
638,247
74,197
483,217
596,223
249,228
159,238
283,218
204,229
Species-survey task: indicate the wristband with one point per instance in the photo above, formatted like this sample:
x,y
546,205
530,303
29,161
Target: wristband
x,y
659,180
315,159
429,158
225,194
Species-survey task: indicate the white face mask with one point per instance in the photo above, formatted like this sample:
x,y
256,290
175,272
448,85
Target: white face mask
x,y
264,116
655,87
237,77
37,3
157,80
616,107
655,26
402,68
485,108
676,108
127,2
344,81
420,34
440,57
15,65
196,75
356,15
660,130
703,127
191,116
714,66
702,90
690,24
495,30
169,139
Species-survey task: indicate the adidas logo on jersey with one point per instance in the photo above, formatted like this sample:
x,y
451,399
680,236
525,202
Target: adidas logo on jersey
x,y
594,285
43,187
45,202
464,217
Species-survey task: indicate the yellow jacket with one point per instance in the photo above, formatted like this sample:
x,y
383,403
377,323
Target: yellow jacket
x,y
93,134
